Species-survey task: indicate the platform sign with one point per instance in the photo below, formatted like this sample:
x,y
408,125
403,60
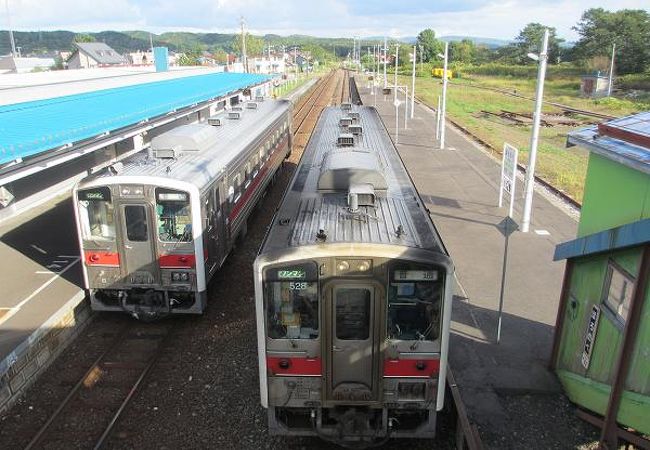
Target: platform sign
x,y
508,175
590,336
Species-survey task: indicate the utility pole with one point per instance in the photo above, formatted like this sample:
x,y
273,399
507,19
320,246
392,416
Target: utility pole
x,y
534,139
415,57
385,50
611,72
243,45
295,61
444,98
11,32
395,101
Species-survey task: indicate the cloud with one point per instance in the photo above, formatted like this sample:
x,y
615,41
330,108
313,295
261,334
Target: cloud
x,y
332,18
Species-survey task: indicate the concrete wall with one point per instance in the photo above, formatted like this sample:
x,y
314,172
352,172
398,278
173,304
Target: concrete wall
x,y
23,366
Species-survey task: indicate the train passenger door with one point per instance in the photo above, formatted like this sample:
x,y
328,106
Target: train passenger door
x,y
139,255
354,308
216,230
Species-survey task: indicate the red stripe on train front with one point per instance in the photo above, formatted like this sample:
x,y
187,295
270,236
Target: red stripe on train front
x,y
99,258
177,261
411,367
309,367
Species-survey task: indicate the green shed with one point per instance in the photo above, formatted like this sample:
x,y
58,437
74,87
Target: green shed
x,y
601,348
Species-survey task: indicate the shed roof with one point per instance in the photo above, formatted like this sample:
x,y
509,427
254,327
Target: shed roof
x,y
101,52
624,236
625,140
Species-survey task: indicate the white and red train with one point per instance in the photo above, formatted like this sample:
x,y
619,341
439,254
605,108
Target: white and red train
x,y
353,293
155,228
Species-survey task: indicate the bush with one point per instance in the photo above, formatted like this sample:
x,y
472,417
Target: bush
x,y
637,81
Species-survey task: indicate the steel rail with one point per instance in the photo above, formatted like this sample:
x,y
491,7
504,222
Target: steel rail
x,y
118,339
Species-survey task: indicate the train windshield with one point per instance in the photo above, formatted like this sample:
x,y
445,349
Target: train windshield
x,y
96,214
173,215
291,296
414,302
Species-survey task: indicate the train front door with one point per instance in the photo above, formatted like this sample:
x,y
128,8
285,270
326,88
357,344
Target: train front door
x,y
140,261
354,342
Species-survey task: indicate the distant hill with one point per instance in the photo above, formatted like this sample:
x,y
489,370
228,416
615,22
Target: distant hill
x,y
49,42
488,42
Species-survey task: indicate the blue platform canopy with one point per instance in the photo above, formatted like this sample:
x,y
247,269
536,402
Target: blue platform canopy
x,y
29,128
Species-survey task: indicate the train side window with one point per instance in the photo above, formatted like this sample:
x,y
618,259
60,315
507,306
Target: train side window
x,y
135,217
236,189
247,175
173,215
414,303
256,165
261,152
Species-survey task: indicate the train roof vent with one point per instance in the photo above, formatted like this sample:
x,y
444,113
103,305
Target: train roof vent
x,y
345,140
345,121
360,194
346,106
259,98
251,105
215,121
354,115
236,108
342,169
355,129
183,139
235,115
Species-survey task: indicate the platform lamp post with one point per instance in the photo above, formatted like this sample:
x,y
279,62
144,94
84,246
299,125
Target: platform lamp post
x,y
385,53
611,72
395,100
534,139
443,109
415,57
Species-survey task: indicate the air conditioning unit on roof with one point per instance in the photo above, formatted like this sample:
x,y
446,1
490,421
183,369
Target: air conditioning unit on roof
x,y
345,140
215,121
346,106
236,115
355,129
251,105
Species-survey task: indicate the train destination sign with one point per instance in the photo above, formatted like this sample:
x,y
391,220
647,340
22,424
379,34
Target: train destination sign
x,y
416,275
291,274
99,194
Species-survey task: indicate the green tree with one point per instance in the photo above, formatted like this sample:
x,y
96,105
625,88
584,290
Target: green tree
x,y
220,56
83,37
530,40
629,29
254,45
430,45
462,51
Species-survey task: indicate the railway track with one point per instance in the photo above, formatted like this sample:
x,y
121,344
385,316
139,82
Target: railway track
x,y
565,108
87,415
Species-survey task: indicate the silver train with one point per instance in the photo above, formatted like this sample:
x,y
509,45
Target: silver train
x,y
353,293
155,228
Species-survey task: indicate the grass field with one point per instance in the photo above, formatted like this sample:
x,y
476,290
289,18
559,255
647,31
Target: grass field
x,y
564,168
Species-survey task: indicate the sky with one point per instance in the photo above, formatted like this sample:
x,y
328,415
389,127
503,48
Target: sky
x,y
502,19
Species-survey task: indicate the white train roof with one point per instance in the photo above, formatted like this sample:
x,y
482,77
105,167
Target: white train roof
x,y
317,198
201,151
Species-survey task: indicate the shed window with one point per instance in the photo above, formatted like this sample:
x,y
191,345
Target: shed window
x,y
619,287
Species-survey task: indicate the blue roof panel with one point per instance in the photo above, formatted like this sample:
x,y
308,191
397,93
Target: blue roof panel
x,y
33,127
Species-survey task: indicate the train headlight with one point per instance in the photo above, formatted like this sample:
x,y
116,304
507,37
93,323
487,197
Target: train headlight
x,y
185,276
342,266
176,276
363,266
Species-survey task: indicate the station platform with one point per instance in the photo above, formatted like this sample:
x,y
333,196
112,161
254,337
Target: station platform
x,y
506,387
